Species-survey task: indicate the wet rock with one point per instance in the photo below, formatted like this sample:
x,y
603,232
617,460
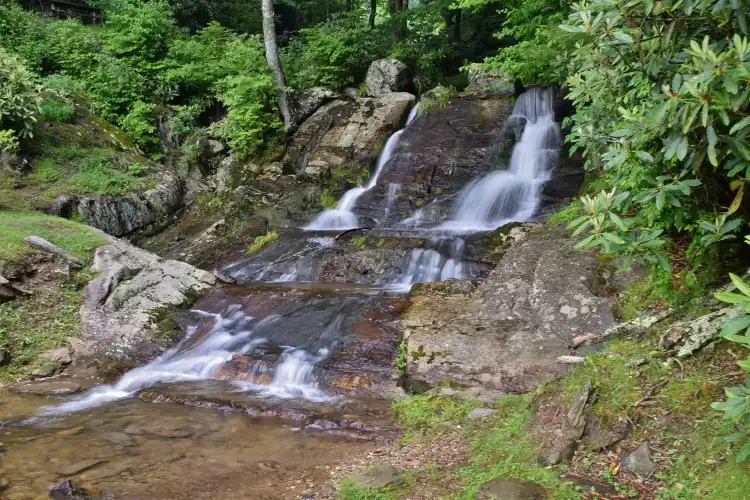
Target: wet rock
x,y
66,491
502,488
639,460
47,388
120,304
46,246
378,476
491,81
121,439
481,412
346,134
165,429
507,334
388,75
78,467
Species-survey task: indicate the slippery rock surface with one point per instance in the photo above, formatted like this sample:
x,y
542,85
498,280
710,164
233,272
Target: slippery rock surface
x,y
344,131
506,335
121,304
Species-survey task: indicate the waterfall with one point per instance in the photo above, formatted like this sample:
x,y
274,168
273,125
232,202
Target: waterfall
x,y
233,332
514,194
440,260
343,217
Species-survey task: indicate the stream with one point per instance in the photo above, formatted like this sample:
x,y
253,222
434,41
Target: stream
x,y
288,373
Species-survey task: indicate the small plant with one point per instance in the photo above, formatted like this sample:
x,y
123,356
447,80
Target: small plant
x,y
328,200
261,241
401,359
56,109
736,407
360,242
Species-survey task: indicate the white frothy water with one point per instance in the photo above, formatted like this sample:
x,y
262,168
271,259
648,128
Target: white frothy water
x,y
232,333
393,190
430,264
343,217
513,195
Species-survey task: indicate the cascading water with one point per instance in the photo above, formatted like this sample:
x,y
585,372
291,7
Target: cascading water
x,y
514,194
232,333
343,217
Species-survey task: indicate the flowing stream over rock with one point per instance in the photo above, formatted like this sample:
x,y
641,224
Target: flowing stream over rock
x,y
308,338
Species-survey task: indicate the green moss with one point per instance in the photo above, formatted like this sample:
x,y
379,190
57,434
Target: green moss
x,y
32,325
429,414
359,242
349,491
261,241
635,299
566,213
328,200
76,238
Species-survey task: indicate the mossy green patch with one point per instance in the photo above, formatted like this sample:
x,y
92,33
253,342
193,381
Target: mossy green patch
x,y
31,325
261,241
429,414
566,213
76,238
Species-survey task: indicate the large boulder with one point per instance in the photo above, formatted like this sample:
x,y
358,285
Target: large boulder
x,y
506,336
123,303
388,75
306,102
121,215
342,132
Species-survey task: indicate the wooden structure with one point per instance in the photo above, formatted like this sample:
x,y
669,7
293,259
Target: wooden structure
x,y
66,9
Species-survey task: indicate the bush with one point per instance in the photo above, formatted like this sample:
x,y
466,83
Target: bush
x,y
19,96
333,54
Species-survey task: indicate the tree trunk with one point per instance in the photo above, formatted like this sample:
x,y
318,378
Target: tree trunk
x,y
272,56
373,9
457,26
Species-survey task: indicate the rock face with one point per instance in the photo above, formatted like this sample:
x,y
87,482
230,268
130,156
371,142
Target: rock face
x,y
506,335
118,315
307,102
491,81
388,75
343,131
120,215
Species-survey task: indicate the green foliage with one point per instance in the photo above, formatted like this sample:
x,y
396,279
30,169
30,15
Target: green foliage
x,y
401,359
19,96
8,141
333,54
736,407
261,241
427,414
349,491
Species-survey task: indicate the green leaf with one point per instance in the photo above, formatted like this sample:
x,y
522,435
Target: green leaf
x,y
704,114
734,325
645,156
740,125
741,285
623,37
732,298
618,221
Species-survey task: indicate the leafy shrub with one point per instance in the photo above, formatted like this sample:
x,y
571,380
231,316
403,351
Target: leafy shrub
x,y
54,108
333,54
19,96
737,405
8,141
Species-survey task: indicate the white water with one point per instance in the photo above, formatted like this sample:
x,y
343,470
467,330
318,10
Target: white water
x,y
429,264
343,217
514,194
232,333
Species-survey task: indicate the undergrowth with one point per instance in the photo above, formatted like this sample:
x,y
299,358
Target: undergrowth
x,y
261,241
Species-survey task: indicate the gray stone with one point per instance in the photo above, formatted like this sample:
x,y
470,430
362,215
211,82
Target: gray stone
x,y
120,215
305,103
639,460
44,245
388,75
47,388
598,437
62,206
212,147
507,334
222,179
59,356
481,412
502,488
688,337
133,286
378,476
344,132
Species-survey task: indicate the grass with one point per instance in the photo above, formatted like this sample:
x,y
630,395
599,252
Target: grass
x,y
45,320
76,238
566,213
261,241
429,415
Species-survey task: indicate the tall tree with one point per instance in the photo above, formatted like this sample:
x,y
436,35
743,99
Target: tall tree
x,y
272,56
373,9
